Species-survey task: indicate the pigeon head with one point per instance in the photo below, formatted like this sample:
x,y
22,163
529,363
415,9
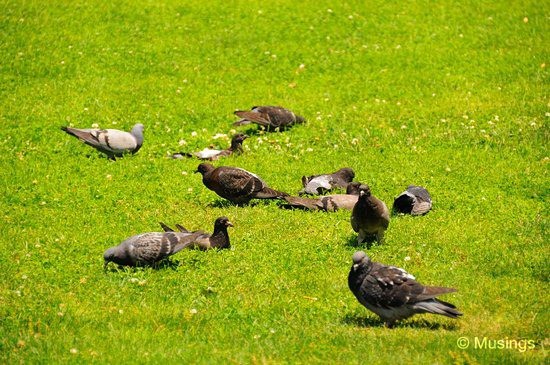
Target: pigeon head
x,y
237,140
353,188
137,129
239,137
359,258
204,168
364,190
222,222
346,173
112,254
137,132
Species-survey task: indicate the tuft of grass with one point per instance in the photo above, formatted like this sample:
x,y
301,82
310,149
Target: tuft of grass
x,y
451,97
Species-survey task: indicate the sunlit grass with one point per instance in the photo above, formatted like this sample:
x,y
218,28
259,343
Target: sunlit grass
x,y
451,97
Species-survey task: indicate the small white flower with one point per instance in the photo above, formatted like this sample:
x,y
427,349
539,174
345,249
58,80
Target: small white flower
x,y
73,351
193,134
193,311
182,142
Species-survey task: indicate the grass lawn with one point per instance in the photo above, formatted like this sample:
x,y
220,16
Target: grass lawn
x,y
451,96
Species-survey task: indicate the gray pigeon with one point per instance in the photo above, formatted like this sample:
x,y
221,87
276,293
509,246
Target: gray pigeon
x,y
329,203
212,154
235,184
394,294
270,117
112,142
320,184
370,216
415,200
149,248
205,241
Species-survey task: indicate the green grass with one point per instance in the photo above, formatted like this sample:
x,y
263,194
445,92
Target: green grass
x,y
450,96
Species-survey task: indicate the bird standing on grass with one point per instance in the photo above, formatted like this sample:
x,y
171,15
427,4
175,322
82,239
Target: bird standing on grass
x,y
394,294
270,117
415,200
112,142
319,184
328,203
235,184
148,248
205,241
212,154
370,216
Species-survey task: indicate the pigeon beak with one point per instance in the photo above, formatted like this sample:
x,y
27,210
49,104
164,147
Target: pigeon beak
x,y
355,267
229,224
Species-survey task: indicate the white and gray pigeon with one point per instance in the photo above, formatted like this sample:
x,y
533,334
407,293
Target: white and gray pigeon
x,y
327,203
213,154
392,293
319,184
149,248
415,200
370,216
112,142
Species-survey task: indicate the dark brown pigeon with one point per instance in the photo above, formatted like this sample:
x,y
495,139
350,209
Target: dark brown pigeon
x,y
205,241
212,155
270,117
370,216
235,184
112,142
394,294
329,203
149,248
319,184
415,200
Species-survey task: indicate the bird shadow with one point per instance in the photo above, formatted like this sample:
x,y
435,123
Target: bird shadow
x,y
161,265
222,203
353,319
368,243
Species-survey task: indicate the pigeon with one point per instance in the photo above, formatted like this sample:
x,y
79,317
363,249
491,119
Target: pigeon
x,y
212,155
235,184
392,293
319,184
270,117
112,142
329,203
205,241
415,200
370,216
148,248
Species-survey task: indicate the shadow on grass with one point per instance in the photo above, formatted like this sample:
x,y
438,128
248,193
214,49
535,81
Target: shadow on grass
x,y
162,265
352,242
360,321
222,203
255,130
